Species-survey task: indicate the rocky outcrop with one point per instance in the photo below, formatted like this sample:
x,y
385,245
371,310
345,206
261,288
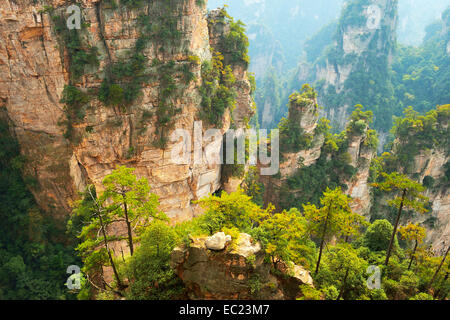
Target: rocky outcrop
x,y
305,113
294,161
237,272
34,70
217,31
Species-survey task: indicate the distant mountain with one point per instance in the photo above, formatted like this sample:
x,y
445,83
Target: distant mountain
x,y
415,16
290,21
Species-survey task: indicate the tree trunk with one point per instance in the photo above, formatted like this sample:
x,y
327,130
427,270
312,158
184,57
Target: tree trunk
x,y
388,253
438,269
344,282
412,255
323,240
127,220
105,240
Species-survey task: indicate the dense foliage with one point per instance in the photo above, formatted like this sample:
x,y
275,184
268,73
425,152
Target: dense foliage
x,y
218,93
421,75
33,256
416,133
125,242
290,236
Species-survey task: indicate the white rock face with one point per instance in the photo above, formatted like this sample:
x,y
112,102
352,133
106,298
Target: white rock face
x,y
246,247
303,275
218,241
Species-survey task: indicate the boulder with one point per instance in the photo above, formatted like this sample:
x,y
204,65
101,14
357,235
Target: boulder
x,y
246,247
218,241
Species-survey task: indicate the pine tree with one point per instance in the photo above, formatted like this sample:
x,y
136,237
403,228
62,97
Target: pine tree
x,y
130,200
407,195
335,217
413,232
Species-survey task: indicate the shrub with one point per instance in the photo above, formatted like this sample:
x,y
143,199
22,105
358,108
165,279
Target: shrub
x,y
217,90
149,269
80,55
378,236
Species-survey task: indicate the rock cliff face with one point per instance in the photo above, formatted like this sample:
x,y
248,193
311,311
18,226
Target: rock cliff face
x,y
358,187
35,67
266,51
431,165
306,115
236,272
364,43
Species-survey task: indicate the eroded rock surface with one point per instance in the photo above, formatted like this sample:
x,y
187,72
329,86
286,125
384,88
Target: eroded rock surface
x,y
34,70
238,272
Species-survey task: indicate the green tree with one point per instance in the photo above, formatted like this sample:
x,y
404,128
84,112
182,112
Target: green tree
x,y
378,234
351,225
413,232
407,195
130,200
95,246
329,220
281,234
253,187
125,200
344,270
439,268
149,271
422,296
235,210
359,120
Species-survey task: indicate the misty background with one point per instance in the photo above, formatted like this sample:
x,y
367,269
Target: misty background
x,y
281,27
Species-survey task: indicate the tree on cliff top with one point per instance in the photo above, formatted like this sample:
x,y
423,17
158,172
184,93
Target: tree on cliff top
x,y
292,136
233,211
284,238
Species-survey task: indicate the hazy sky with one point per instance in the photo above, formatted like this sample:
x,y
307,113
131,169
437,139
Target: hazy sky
x,y
414,15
